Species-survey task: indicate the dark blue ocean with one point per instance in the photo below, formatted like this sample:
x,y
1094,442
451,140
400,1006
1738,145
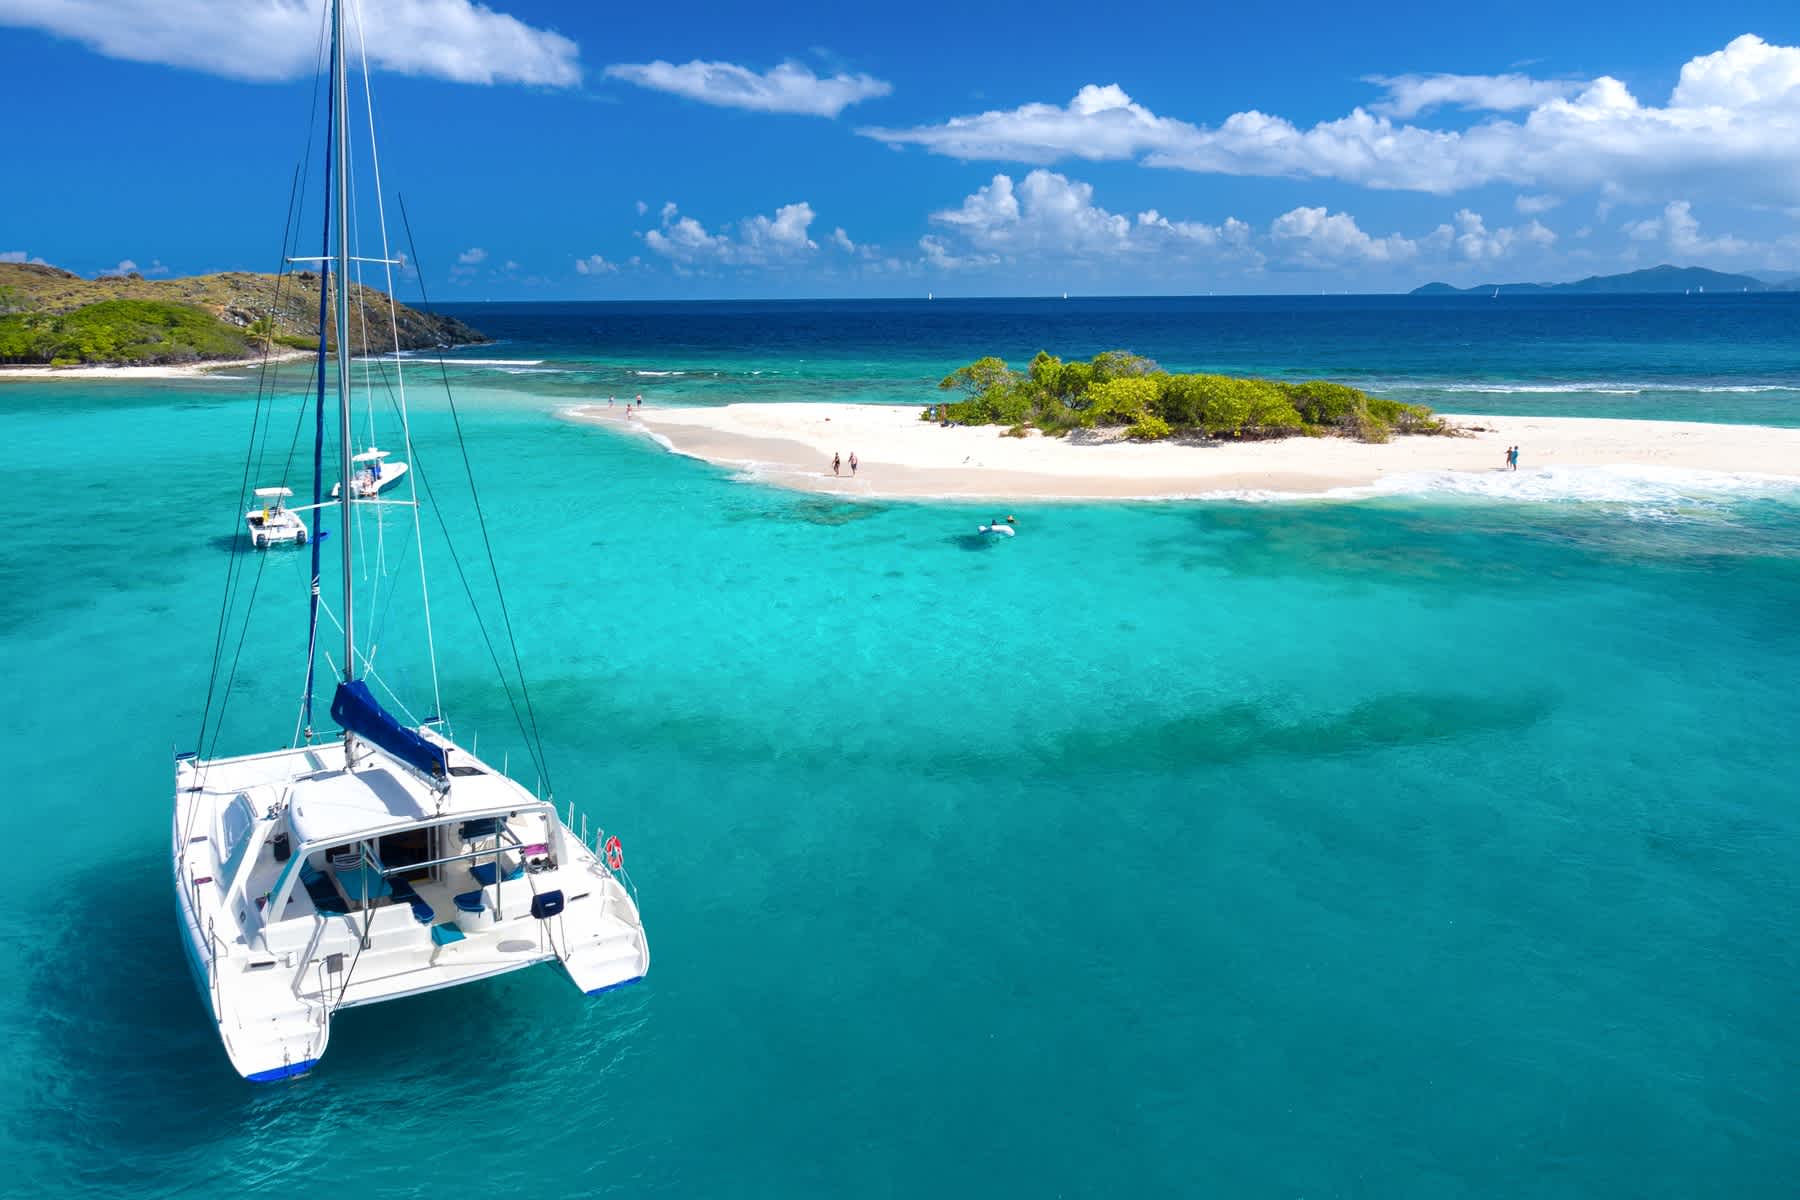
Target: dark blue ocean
x,y
1423,846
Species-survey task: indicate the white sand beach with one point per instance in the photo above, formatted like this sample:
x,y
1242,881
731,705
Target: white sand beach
x,y
171,371
792,445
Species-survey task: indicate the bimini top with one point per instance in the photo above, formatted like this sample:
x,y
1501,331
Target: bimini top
x,y
271,493
366,455
347,806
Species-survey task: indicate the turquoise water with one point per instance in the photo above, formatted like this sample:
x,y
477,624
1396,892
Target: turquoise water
x,y
1420,847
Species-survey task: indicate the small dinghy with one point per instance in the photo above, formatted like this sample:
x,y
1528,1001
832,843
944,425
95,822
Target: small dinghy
x,y
998,529
372,473
273,521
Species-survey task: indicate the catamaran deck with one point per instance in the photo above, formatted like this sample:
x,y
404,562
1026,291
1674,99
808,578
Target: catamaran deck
x,y
307,887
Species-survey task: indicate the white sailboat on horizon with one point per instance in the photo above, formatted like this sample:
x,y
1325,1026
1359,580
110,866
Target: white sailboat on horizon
x,y
384,860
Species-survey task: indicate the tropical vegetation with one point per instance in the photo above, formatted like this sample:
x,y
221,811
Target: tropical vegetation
x,y
48,315
1121,389
133,331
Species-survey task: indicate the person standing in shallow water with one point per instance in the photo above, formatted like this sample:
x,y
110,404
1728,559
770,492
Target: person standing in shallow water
x,y
853,463
836,462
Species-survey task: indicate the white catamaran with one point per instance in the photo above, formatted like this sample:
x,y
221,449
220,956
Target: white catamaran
x,y
385,861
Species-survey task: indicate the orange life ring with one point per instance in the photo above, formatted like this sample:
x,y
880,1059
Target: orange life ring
x,y
615,853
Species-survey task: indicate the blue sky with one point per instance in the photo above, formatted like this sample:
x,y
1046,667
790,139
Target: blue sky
x,y
561,151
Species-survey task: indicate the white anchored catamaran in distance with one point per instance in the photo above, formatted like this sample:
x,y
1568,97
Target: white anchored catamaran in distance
x,y
386,860
272,521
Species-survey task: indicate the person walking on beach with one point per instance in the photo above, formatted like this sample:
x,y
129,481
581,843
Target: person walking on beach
x,y
836,462
853,463
1512,458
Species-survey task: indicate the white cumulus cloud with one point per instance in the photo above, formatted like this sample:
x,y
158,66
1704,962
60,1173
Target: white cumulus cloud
x,y
1531,206
788,88
471,256
1732,122
754,241
1048,216
1679,230
1314,237
1471,240
595,264
19,256
125,267
457,40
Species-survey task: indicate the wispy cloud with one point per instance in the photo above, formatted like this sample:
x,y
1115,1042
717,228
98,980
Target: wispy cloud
x,y
457,40
1410,95
19,256
788,88
595,264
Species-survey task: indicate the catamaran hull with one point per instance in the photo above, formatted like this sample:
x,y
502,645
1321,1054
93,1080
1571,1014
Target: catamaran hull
x,y
270,985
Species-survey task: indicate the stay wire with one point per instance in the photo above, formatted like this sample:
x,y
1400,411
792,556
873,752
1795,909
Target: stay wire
x,y
535,737
265,386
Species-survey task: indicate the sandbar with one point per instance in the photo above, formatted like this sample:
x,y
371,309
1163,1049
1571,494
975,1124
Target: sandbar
x,y
792,445
194,370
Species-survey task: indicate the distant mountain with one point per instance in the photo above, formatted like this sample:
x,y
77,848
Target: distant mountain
x,y
1652,279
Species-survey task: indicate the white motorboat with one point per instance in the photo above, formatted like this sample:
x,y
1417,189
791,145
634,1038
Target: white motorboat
x,y
372,473
381,860
998,529
272,522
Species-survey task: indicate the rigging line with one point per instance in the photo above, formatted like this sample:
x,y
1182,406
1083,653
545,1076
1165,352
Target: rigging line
x,y
290,240
417,469
238,655
234,566
480,623
368,666
354,293
437,703
481,521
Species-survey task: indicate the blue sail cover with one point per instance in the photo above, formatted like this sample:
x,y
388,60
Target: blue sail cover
x,y
354,709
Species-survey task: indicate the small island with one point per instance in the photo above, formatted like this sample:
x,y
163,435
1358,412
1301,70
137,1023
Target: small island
x,y
54,318
1122,391
1118,427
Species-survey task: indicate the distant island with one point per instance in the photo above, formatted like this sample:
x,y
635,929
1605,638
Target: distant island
x,y
53,317
1651,280
1119,389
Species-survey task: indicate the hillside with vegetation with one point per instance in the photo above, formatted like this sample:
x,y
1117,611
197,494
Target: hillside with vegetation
x,y
1120,389
48,315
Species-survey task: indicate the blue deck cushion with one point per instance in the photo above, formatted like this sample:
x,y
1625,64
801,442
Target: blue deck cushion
x,y
421,911
352,883
443,935
484,873
325,898
470,902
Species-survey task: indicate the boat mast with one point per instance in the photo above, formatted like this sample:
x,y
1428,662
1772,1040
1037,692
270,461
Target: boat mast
x,y
342,135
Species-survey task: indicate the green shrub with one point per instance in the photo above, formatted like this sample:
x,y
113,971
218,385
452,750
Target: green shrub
x,y
1120,401
1149,428
1121,388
